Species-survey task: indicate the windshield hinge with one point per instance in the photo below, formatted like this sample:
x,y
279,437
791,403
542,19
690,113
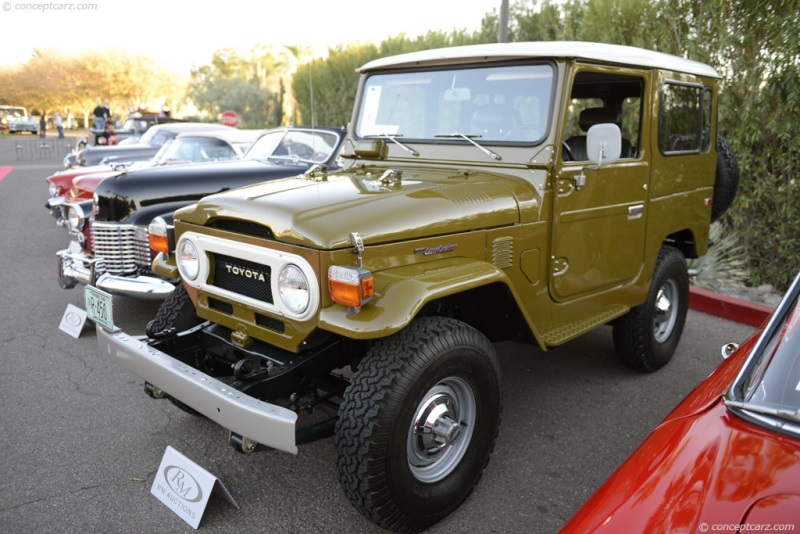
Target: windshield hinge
x,y
358,246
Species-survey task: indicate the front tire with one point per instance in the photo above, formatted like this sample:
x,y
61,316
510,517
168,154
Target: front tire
x,y
418,423
646,337
176,314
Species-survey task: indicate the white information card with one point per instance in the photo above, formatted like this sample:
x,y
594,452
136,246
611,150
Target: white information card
x,y
185,487
72,321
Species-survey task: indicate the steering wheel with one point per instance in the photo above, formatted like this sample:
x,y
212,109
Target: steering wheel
x,y
567,151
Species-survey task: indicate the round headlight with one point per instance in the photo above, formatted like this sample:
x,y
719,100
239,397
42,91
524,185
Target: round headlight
x,y
76,219
54,189
293,288
188,260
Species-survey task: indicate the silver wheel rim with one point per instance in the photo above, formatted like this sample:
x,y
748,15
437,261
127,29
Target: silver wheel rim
x,y
665,314
441,430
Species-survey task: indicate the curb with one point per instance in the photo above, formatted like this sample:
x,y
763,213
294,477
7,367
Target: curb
x,y
733,309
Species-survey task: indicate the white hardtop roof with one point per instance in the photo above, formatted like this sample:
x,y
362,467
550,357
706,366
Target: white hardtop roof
x,y
231,135
593,52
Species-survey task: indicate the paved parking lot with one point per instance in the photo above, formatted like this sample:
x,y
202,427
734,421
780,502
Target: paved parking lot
x,y
81,442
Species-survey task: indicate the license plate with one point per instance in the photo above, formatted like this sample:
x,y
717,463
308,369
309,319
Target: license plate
x,y
99,307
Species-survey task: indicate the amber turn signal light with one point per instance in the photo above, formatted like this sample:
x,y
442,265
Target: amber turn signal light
x,y
158,234
159,243
351,286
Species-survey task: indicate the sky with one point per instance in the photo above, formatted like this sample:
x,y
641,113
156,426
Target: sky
x,y
183,33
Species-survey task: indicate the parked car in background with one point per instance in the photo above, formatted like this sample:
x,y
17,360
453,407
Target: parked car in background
x,y
145,148
78,183
728,454
134,126
15,119
111,248
24,124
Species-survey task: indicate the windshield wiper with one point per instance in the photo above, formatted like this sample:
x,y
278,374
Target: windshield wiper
x,y
493,155
790,415
393,139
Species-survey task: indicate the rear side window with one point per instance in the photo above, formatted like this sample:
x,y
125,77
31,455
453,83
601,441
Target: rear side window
x,y
684,124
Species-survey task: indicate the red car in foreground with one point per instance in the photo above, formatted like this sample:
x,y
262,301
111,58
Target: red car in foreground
x,y
727,458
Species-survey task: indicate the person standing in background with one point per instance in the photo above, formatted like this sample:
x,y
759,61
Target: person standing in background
x,y
42,127
99,116
59,125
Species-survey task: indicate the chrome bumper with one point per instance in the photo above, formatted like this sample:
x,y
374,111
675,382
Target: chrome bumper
x,y
79,268
59,209
247,416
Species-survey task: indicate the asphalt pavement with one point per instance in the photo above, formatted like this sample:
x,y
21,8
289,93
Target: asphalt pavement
x,y
81,442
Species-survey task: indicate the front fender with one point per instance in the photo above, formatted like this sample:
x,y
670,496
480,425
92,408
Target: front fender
x,y
165,265
401,292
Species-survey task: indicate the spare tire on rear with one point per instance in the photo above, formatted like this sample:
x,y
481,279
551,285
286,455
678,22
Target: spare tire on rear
x,y
726,181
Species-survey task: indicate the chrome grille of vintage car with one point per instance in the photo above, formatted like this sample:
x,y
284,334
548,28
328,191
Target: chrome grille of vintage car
x,y
123,247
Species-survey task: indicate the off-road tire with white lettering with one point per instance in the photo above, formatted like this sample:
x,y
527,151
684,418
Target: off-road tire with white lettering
x,y
386,470
646,337
176,314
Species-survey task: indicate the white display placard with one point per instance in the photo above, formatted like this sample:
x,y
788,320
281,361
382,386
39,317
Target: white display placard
x,y
185,487
73,320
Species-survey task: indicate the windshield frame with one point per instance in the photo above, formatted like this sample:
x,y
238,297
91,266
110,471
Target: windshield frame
x,y
751,376
363,130
278,136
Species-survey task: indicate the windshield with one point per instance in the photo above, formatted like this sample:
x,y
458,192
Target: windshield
x,y
13,113
156,137
769,383
501,104
196,150
294,146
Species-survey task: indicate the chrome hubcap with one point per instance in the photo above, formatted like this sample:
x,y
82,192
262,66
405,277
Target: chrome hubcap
x,y
666,311
441,430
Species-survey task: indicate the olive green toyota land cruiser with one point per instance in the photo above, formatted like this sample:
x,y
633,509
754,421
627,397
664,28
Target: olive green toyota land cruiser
x,y
524,191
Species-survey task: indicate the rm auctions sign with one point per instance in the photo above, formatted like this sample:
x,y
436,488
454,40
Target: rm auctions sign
x,y
185,487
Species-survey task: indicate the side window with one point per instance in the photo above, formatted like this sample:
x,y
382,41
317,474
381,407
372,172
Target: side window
x,y
684,123
598,98
707,119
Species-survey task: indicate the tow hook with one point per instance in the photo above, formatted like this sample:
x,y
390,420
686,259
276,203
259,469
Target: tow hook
x,y
246,445
153,391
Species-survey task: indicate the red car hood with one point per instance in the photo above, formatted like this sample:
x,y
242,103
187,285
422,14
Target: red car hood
x,y
703,464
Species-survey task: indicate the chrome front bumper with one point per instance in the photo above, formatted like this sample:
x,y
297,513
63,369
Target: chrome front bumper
x,y
79,268
247,416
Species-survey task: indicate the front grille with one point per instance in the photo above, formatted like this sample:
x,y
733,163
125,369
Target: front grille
x,y
243,277
270,323
124,247
218,305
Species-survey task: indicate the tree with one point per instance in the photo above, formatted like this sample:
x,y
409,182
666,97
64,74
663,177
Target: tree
x,y
50,81
248,82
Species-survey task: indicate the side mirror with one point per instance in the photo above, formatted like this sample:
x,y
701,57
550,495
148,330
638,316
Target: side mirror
x,y
603,146
604,143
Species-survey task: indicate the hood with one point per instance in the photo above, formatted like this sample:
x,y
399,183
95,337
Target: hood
x,y
86,184
713,468
93,155
322,214
176,186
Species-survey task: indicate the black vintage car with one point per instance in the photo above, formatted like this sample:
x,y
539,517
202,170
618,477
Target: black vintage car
x,y
145,148
112,251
